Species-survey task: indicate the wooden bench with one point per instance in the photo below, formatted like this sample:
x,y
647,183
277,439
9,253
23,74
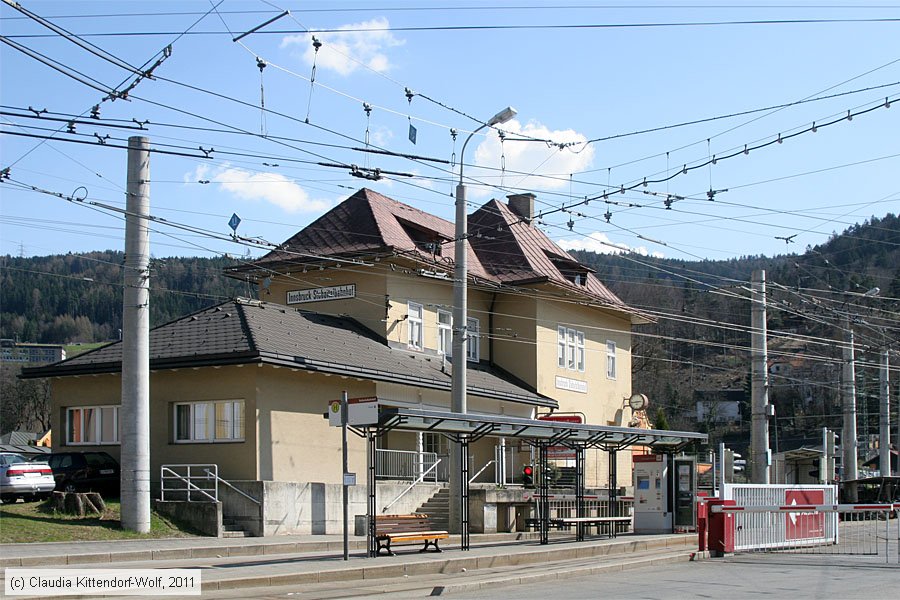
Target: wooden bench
x,y
406,528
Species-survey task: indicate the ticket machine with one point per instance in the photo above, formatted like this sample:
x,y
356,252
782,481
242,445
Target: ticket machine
x,y
652,503
665,487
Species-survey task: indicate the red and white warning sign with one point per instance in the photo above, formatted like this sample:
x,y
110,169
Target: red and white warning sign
x,y
804,525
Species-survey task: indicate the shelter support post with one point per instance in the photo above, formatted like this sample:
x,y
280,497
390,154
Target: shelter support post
x,y
579,492
544,494
613,490
464,492
372,489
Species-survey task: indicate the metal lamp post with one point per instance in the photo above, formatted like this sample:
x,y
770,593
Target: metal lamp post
x,y
460,276
460,309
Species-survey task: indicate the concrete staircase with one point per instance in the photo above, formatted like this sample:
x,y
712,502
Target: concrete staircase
x,y
566,477
438,509
230,529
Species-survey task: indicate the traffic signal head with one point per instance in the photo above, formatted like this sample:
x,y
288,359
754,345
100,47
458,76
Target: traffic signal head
x,y
527,475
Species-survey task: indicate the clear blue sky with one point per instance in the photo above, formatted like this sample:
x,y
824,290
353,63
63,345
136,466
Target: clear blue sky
x,y
569,84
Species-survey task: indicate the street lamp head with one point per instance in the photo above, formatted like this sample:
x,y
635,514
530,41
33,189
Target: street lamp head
x,y
503,116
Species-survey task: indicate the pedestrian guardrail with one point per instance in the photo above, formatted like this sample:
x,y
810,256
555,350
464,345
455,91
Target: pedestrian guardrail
x,y
189,482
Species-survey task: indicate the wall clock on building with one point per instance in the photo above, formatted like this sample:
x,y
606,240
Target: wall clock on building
x,y
638,402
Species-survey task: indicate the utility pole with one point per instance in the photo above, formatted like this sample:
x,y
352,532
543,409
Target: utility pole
x,y
897,436
884,420
759,392
135,442
345,497
848,434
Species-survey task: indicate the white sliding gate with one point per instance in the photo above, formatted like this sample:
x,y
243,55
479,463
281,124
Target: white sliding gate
x,y
768,529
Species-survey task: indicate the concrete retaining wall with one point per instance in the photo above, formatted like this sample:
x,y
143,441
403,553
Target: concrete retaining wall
x,y
288,507
205,517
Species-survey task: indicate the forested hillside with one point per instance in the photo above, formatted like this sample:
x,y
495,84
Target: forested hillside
x,y
701,336
78,298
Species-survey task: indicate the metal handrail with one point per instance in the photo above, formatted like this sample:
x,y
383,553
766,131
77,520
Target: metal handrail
x,y
402,464
481,470
241,492
412,485
186,479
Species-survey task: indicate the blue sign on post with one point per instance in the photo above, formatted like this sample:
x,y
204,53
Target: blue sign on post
x,y
234,221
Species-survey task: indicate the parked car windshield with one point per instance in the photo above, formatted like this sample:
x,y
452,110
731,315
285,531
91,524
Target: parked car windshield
x,y
62,461
96,459
9,459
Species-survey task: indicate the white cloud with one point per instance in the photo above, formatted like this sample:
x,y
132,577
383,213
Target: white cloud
x,y
358,45
273,188
535,158
380,136
601,244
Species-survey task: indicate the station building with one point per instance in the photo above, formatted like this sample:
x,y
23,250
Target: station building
x,y
360,301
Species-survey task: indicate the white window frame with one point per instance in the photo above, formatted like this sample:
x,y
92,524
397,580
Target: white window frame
x,y
436,443
579,351
414,325
473,338
445,332
570,350
203,414
97,425
610,359
561,347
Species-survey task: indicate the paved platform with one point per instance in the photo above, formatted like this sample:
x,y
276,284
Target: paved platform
x,y
316,562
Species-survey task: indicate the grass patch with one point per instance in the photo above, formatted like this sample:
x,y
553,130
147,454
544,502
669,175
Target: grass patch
x,y
34,522
76,349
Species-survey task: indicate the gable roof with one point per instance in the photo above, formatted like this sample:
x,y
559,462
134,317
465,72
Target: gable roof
x,y
502,247
252,332
364,225
520,253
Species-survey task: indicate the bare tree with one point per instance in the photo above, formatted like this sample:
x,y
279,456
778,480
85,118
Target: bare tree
x,y
24,403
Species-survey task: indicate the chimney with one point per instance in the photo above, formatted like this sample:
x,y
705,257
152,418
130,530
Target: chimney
x,y
522,205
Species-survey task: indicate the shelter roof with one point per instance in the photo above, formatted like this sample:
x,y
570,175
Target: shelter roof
x,y
476,425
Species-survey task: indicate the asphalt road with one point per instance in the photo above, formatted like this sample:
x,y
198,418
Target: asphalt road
x,y
775,576
791,577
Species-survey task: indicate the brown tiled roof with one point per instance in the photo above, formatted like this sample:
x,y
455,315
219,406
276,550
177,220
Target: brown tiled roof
x,y
502,248
368,223
520,253
246,332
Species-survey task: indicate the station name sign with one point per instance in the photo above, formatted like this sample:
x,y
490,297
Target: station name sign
x,y
335,292
573,385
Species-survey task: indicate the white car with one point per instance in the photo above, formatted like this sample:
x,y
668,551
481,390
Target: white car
x,y
20,478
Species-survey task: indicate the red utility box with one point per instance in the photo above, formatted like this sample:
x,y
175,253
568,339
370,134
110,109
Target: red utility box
x,y
701,523
721,528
